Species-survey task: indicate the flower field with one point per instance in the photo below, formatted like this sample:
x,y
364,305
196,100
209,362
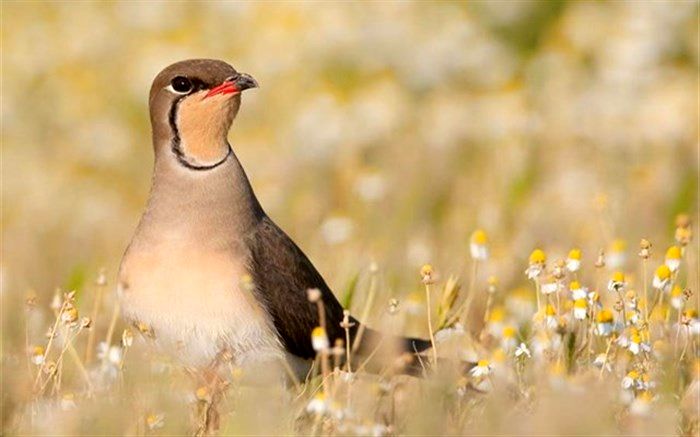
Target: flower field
x,y
515,181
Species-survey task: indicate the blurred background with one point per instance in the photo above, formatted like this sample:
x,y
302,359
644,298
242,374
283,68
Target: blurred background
x,y
382,132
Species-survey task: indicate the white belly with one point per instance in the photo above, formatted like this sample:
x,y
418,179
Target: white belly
x,y
196,306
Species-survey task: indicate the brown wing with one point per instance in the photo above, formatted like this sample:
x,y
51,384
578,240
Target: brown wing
x,y
282,275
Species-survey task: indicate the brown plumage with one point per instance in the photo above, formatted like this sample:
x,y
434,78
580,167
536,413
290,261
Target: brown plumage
x,y
204,232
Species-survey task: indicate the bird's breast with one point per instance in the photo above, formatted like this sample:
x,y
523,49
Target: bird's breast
x,y
195,303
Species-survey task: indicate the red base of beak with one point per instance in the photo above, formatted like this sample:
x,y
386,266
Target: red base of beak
x,y
224,88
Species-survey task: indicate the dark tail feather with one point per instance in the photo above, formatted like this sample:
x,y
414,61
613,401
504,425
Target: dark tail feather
x,y
415,345
372,340
405,352
411,358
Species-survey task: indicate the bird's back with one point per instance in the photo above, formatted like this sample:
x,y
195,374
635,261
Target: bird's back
x,y
282,275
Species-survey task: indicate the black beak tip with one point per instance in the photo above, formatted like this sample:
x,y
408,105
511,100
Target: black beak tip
x,y
245,81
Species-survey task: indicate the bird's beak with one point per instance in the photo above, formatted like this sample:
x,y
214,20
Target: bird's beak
x,y
234,86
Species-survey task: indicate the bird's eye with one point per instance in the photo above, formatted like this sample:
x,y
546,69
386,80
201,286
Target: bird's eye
x,y
181,85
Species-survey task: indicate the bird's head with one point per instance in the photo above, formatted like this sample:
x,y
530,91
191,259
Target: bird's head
x,y
192,105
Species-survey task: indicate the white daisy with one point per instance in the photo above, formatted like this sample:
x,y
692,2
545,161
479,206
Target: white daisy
x,y
522,350
317,405
573,261
482,368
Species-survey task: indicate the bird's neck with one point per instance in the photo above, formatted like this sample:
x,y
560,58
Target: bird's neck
x,y
210,207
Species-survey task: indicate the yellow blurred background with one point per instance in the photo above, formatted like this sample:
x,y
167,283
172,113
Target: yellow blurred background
x,y
381,132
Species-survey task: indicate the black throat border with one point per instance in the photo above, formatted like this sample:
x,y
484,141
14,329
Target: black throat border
x,y
175,144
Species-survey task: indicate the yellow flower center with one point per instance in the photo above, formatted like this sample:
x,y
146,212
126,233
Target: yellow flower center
x,y
575,254
497,315
537,257
479,237
509,332
318,332
645,396
202,393
663,272
605,316
673,252
618,246
499,355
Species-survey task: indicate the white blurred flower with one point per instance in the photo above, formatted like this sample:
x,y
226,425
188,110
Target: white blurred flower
x,y
573,261
522,350
602,360
604,329
482,368
478,245
580,309
691,320
155,421
550,317
418,252
630,380
379,430
68,402
56,302
414,304
616,256
577,291
508,338
320,126
662,278
605,322
673,258
677,298
521,304
617,282
368,428
636,344
641,405
549,286
113,355
533,271
318,405
38,355
347,377
319,339
479,252
337,230
622,341
370,187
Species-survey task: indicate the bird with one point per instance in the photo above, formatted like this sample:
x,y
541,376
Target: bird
x,y
207,270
